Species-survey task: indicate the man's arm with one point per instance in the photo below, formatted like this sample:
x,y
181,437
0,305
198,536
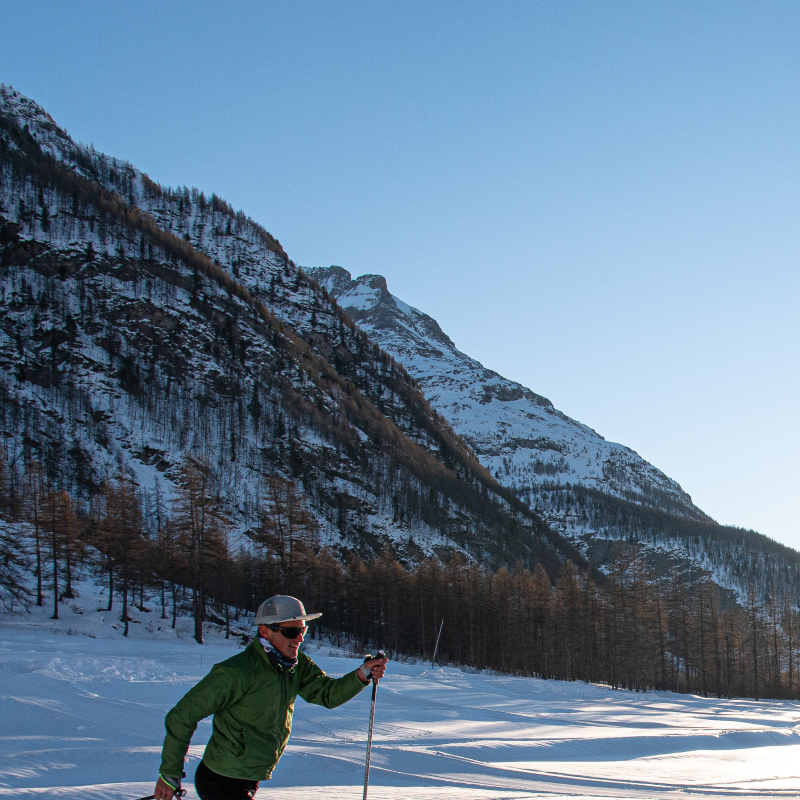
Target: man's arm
x,y
316,687
217,690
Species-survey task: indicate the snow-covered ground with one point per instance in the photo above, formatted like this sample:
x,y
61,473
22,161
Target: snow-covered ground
x,y
82,711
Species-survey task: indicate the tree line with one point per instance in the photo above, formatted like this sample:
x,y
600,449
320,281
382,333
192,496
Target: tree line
x,y
739,556
179,552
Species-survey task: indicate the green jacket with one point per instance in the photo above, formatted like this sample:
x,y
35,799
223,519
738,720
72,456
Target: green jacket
x,y
252,704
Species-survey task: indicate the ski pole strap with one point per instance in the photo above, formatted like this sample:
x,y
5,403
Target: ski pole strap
x,y
178,793
172,781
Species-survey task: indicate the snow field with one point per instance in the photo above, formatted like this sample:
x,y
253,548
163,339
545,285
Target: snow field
x,y
83,708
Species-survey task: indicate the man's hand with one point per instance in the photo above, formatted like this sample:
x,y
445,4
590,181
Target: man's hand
x,y
372,668
163,790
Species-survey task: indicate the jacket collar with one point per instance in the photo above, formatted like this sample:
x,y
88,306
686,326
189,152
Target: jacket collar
x,y
258,648
276,658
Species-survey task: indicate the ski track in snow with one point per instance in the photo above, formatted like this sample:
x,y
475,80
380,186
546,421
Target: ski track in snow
x,y
83,718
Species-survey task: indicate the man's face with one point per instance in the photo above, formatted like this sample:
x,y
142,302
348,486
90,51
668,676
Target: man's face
x,y
287,647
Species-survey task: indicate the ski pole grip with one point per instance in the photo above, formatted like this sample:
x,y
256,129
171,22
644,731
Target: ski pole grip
x,y
379,654
368,657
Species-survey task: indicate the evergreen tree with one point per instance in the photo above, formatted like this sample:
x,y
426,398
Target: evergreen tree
x,y
199,523
121,539
287,531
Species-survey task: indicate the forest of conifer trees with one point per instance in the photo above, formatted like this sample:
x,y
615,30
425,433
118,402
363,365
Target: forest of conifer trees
x,y
180,555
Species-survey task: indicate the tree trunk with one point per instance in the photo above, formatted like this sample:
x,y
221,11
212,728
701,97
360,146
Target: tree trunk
x,y
68,591
110,584
39,592
199,608
55,564
125,598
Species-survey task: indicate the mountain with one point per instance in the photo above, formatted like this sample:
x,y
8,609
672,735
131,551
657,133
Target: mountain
x,y
592,491
518,435
139,324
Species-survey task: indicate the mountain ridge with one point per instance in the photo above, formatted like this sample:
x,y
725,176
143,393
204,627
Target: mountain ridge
x,y
459,386
591,491
140,323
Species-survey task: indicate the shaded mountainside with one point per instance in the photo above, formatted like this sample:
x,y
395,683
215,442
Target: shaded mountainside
x,y
139,324
590,490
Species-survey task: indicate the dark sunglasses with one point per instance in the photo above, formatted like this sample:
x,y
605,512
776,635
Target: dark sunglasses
x,y
288,633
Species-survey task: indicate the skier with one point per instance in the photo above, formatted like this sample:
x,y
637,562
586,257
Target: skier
x,y
251,696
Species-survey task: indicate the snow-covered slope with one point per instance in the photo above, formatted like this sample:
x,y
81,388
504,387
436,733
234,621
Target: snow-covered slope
x,y
84,718
590,490
515,433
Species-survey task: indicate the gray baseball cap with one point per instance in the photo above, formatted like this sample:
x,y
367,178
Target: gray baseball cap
x,y
281,608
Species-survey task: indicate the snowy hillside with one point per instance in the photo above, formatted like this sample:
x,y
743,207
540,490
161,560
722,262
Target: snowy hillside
x,y
84,712
588,489
515,433
139,324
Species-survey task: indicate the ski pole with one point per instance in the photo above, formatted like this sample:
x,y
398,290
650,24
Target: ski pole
x,y
380,654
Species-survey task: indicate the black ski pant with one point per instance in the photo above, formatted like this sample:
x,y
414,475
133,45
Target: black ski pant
x,y
211,785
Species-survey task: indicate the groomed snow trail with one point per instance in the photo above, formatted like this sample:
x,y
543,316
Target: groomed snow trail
x,y
83,718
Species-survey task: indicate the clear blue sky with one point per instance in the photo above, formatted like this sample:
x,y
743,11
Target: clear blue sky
x,y
597,199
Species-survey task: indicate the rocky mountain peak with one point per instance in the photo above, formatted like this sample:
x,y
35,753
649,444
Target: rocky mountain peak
x,y
367,299
517,434
592,491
